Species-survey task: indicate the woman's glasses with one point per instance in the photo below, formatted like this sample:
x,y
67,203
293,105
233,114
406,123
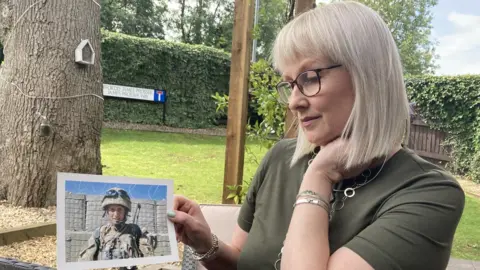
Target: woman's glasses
x,y
308,82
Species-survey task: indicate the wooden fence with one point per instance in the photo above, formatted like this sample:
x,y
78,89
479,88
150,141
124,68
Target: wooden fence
x,y
428,143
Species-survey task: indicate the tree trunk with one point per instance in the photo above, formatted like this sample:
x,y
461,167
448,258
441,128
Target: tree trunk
x,y
40,38
182,21
290,11
198,23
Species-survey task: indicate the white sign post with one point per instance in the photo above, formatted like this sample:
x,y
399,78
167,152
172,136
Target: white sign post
x,y
128,92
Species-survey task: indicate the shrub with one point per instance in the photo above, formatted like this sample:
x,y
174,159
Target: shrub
x,y
268,126
451,104
189,73
474,172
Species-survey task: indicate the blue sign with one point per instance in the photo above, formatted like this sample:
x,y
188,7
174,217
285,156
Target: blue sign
x,y
159,96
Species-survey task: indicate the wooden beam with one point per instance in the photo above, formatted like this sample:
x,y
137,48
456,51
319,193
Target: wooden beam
x,y
238,98
290,126
303,5
20,234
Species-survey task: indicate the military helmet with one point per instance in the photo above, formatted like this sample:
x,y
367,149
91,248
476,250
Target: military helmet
x,y
116,196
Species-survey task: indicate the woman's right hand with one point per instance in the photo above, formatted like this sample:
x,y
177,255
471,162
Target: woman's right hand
x,y
190,225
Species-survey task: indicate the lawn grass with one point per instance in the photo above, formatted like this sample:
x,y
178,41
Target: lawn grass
x,y
196,164
466,244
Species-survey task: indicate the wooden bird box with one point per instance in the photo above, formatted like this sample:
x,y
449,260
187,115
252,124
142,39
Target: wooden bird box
x,y
84,54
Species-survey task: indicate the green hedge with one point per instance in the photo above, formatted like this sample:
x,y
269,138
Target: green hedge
x,y
474,171
452,104
190,74
449,103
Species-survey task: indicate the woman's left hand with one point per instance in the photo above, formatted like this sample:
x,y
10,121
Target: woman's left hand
x,y
330,163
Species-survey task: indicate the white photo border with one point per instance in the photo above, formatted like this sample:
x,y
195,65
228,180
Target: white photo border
x,y
61,256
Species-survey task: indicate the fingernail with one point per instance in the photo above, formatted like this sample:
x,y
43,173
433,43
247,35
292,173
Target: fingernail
x,y
171,214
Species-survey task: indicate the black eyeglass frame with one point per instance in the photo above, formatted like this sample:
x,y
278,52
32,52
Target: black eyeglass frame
x,y
294,82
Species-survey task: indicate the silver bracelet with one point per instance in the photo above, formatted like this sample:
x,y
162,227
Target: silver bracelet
x,y
320,202
209,253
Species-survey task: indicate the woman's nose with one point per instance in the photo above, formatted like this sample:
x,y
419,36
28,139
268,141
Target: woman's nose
x,y
296,100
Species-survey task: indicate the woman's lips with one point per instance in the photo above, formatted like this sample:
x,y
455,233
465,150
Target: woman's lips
x,y
308,121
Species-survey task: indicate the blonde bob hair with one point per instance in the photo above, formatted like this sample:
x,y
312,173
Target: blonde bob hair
x,y
352,34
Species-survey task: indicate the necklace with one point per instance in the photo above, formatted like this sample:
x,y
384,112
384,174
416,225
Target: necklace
x,y
347,193
350,192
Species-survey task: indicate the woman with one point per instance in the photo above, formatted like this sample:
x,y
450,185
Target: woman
x,y
363,201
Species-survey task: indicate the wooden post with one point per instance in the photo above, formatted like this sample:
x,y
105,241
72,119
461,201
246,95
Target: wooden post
x,y
303,5
238,98
291,127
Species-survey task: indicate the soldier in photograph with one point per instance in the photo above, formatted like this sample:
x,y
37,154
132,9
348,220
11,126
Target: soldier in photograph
x,y
117,239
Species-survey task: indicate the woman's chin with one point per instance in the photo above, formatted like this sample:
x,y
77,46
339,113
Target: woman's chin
x,y
319,139
316,140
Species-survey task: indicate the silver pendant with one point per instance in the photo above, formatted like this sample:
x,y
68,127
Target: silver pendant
x,y
349,192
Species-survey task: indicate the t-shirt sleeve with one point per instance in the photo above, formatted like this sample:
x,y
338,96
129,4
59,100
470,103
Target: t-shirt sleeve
x,y
247,211
414,229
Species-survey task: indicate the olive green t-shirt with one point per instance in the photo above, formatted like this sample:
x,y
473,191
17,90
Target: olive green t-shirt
x,y
405,218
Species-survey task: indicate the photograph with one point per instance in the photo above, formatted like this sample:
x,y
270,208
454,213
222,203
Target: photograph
x,y
109,221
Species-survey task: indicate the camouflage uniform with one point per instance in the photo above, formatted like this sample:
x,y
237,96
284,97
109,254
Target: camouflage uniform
x,y
117,241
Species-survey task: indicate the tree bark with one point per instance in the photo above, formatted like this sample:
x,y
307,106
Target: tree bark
x,y
182,21
40,38
197,23
290,11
